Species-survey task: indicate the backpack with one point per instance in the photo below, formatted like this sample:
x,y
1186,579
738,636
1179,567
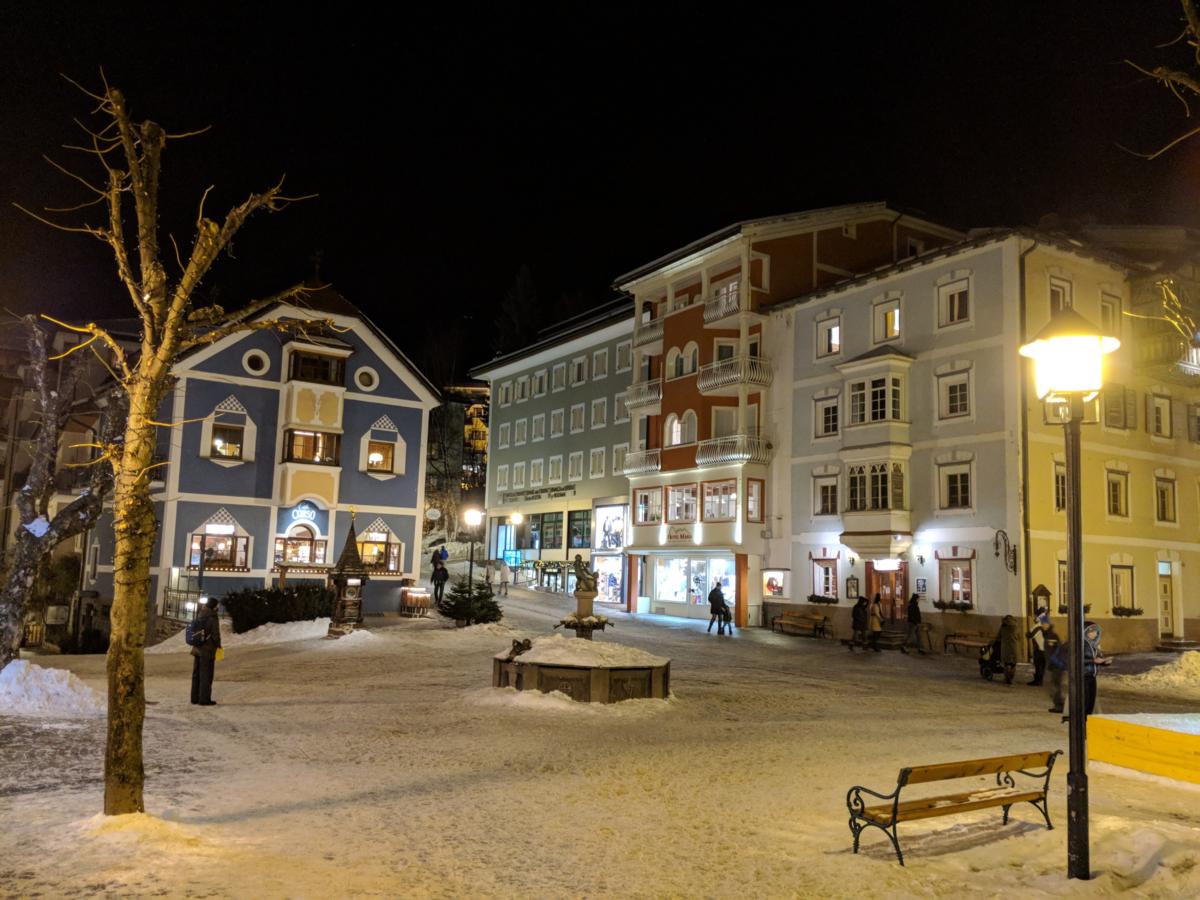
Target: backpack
x,y
1058,657
195,634
444,554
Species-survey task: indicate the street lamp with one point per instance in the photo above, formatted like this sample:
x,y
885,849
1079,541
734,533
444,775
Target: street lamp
x,y
1068,361
473,517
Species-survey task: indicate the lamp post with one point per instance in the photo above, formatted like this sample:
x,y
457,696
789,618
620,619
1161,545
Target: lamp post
x,y
1068,362
473,517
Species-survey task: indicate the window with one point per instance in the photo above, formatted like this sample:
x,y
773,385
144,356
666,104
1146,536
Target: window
x,y
829,337
825,501
221,551
552,530
316,447
913,247
366,378
1060,487
554,476
539,383
1193,414
379,550
381,456
725,349
884,395
522,388
827,417
954,395
956,486
887,320
575,466
1122,586
558,377
724,421
1060,294
1063,586
754,500
624,356
1120,406
727,295
539,427
954,303
556,423
300,548
720,500
856,484
518,476
1164,499
956,576
886,483
648,505
619,453
599,412
520,432
318,367
577,423
1118,493
1158,415
1110,314
681,503
579,528
536,470
596,462
600,364
227,441
825,578
679,430
502,434
578,371
620,410
506,393
502,478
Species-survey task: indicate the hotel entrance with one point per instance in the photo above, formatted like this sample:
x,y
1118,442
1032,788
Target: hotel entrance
x,y
889,579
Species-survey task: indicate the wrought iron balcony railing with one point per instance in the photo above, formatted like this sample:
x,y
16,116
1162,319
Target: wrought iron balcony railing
x,y
738,370
643,393
648,333
722,305
642,461
734,448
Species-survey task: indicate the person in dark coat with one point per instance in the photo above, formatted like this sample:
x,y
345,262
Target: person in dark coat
x,y
1037,640
859,617
439,578
204,655
435,558
1056,667
1008,647
719,609
1093,657
914,624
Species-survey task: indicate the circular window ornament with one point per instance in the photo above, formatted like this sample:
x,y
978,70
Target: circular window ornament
x,y
256,362
366,378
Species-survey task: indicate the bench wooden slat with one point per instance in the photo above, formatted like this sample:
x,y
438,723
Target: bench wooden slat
x,y
951,804
965,769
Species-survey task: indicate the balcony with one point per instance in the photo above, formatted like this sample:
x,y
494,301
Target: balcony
x,y
644,396
721,307
734,449
877,533
649,335
1167,354
723,377
641,462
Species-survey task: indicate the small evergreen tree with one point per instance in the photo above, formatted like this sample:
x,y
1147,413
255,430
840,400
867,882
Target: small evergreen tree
x,y
473,605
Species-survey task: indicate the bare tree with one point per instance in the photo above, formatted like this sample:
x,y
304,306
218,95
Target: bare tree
x,y
129,153
39,532
1181,78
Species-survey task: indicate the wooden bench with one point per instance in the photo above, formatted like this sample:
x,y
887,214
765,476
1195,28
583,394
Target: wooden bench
x,y
885,816
974,639
813,623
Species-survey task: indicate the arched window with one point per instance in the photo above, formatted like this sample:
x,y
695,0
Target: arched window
x,y
672,433
674,363
300,547
688,428
691,358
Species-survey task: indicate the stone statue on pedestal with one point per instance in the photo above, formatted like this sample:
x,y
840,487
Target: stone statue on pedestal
x,y
585,578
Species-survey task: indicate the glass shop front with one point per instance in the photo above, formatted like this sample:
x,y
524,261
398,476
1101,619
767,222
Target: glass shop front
x,y
608,551
682,583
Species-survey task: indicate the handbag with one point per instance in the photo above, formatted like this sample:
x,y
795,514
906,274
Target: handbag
x,y
220,654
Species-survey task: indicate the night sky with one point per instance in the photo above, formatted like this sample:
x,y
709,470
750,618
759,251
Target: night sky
x,y
450,146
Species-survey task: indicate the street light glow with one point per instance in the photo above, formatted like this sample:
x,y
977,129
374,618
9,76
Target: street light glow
x,y
1068,356
516,518
473,517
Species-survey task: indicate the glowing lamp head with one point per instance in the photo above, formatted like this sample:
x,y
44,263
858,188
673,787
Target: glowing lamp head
x,y
473,517
1068,356
516,518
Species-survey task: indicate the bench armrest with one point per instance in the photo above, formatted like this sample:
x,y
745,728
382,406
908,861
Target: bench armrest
x,y
855,803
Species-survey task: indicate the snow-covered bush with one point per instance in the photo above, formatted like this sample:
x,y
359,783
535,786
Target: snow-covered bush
x,y
250,607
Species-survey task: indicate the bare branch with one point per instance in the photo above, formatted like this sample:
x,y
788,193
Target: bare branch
x,y
81,88
97,332
1161,150
87,184
188,134
76,208
75,229
66,353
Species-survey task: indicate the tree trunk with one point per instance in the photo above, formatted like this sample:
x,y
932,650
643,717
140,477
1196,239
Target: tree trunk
x,y
134,526
26,557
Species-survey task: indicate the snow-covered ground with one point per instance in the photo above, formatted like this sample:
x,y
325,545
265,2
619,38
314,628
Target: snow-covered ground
x,y
384,766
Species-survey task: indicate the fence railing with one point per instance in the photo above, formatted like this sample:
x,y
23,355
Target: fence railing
x,y
640,462
751,370
643,393
734,448
648,333
723,304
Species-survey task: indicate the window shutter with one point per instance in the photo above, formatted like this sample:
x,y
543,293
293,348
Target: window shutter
x,y
1149,414
1114,406
1178,412
1194,424
1130,408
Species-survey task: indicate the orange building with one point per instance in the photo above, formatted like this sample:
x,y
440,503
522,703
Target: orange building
x,y
701,445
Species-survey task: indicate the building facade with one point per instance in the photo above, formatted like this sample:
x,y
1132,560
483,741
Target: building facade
x,y
557,443
278,442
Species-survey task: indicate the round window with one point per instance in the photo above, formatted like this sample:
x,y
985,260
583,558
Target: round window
x,y
366,378
256,362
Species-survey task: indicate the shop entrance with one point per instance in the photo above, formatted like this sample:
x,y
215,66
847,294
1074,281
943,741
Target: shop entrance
x,y
891,584
1166,601
681,584
610,571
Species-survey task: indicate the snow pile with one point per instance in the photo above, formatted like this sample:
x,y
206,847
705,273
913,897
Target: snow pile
x,y
356,638
271,633
493,629
38,527
557,650
29,690
1180,673
558,702
1184,723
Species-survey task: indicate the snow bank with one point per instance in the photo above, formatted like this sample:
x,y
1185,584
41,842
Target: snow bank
x,y
144,829
271,633
1161,780
488,628
558,702
29,690
563,651
1185,723
357,638
1180,673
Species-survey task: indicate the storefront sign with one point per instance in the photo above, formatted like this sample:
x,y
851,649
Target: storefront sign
x,y
679,534
609,530
530,496
304,512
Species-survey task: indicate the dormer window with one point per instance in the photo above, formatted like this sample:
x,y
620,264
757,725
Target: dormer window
x,y
227,441
317,367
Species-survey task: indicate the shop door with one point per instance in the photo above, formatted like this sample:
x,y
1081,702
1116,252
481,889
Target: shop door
x,y
892,588
1166,602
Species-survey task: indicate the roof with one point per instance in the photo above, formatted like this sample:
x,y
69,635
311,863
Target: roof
x,y
878,352
350,562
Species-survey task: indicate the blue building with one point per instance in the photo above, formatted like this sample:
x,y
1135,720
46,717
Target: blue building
x,y
283,438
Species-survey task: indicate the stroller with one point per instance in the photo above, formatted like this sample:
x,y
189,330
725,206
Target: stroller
x,y
989,661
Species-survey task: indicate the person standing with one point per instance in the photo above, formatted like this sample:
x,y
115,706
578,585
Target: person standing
x,y
719,609
204,654
1008,647
1037,638
859,619
440,576
435,559
505,578
1056,667
876,622
914,625
1093,657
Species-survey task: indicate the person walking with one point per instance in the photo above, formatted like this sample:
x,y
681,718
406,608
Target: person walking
x,y
1008,647
859,620
435,559
204,653
914,625
439,578
1056,667
876,622
505,578
718,609
1037,639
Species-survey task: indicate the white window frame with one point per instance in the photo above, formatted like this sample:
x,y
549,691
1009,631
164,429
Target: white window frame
x,y
540,383
820,404
1158,413
729,413
536,472
601,421
1169,483
505,393
881,312
824,328
582,373
946,471
554,471
620,409
575,466
821,481
502,477
1115,600
825,579
1112,302
560,415
687,496
654,507
503,433
522,389
1063,285
594,471
1121,477
624,349
619,452
946,302
558,377
537,428
966,592
581,409
520,432
722,498
945,381
518,476
599,364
